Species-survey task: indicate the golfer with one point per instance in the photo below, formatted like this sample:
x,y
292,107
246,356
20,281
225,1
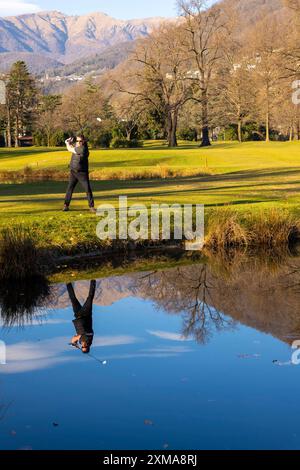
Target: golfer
x,y
83,321
79,173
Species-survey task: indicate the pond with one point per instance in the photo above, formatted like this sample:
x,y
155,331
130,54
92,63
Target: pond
x,y
197,356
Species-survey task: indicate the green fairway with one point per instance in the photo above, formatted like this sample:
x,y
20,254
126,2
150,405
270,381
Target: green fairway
x,y
220,158
248,177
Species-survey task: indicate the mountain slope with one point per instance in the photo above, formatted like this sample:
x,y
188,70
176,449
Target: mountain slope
x,y
96,63
67,38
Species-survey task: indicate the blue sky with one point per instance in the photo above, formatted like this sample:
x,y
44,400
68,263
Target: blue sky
x,y
123,9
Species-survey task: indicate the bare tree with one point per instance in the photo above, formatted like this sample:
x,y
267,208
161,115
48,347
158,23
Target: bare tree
x,y
291,52
81,106
129,112
237,93
48,109
266,53
204,42
161,78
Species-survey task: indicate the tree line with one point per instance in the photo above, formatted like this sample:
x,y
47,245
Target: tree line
x,y
206,75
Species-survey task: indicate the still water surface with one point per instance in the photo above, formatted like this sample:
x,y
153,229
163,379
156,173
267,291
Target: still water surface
x,y
193,357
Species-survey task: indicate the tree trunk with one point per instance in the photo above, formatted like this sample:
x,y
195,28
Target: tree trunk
x,y
8,130
8,126
240,137
128,135
172,129
205,128
267,127
205,137
17,133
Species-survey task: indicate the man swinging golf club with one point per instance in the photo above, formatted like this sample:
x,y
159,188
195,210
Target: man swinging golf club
x,y
79,171
83,321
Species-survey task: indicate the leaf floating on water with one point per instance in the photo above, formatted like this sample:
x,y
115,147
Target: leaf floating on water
x,y
148,422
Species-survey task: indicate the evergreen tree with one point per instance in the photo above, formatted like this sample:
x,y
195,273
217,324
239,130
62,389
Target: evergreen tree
x,y
21,102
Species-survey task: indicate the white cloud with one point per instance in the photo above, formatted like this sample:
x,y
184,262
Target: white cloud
x,y
11,8
169,336
104,341
28,356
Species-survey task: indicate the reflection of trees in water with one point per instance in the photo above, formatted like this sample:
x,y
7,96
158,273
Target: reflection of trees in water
x,y
187,291
21,301
261,292
3,410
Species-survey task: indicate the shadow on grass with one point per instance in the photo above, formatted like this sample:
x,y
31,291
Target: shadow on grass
x,y
53,192
24,152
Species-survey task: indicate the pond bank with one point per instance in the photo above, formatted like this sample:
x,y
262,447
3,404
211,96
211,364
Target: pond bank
x,y
27,250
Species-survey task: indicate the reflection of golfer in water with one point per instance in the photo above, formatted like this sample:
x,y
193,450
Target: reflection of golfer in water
x,y
83,321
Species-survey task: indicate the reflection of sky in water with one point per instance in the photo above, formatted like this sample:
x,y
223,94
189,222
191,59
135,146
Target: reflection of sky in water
x,y
226,394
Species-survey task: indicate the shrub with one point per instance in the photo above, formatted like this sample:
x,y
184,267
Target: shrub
x,y
118,142
58,138
39,139
100,138
189,134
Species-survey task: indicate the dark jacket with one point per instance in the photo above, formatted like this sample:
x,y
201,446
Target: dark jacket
x,y
80,159
84,325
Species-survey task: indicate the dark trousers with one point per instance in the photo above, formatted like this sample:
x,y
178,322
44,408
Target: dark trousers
x,y
87,308
83,321
81,177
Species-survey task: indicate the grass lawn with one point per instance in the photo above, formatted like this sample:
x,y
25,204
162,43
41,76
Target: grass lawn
x,y
248,177
220,158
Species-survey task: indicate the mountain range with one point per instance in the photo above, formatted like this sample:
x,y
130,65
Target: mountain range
x,y
53,38
65,45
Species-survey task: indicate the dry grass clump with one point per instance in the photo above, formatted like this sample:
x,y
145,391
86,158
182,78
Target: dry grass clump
x,y
158,172
30,175
225,231
272,228
21,301
19,257
269,229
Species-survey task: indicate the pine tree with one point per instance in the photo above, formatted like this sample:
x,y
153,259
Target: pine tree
x,y
21,101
